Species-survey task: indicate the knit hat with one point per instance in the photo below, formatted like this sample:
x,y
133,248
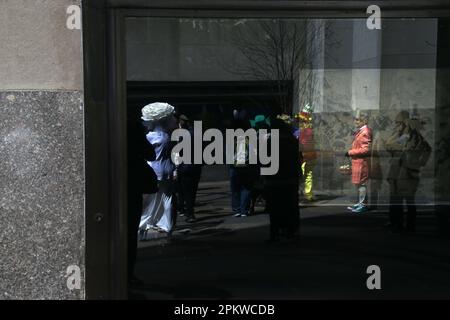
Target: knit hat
x,y
260,122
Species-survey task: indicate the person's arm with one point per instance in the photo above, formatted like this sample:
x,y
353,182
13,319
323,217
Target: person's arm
x,y
366,140
425,153
393,143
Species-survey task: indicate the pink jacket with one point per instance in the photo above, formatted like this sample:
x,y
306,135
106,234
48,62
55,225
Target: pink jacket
x,y
360,154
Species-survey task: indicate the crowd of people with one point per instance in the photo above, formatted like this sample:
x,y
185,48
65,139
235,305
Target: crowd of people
x,y
167,189
177,182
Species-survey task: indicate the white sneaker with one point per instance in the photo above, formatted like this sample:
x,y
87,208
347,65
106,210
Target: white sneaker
x,y
353,207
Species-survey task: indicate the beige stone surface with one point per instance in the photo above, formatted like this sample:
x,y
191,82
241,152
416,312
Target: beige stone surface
x,y
37,50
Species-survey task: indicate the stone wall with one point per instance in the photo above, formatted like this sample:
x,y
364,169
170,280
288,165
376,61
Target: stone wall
x,y
41,150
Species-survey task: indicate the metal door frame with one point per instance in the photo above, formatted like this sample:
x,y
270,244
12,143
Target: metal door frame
x,y
105,105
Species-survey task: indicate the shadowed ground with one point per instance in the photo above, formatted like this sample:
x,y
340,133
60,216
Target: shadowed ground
x,y
222,257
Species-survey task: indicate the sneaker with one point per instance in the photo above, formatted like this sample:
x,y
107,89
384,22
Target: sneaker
x,y
237,215
361,209
354,207
244,215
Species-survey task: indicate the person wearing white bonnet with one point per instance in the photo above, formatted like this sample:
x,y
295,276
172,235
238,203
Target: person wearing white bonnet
x,y
158,212
157,111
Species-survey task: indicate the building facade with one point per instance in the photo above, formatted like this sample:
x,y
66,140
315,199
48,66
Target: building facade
x,y
63,73
42,189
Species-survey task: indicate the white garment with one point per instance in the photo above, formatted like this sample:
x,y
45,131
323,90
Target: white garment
x,y
157,211
162,165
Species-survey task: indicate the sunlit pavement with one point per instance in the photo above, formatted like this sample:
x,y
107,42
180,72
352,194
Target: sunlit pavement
x,y
214,214
223,257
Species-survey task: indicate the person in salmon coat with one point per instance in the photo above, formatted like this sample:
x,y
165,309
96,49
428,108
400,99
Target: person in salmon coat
x,y
360,156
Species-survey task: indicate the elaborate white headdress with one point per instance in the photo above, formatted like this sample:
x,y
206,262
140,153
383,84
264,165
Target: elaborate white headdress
x,y
157,111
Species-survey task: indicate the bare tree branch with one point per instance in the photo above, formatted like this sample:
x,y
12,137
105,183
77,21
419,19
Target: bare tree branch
x,y
280,50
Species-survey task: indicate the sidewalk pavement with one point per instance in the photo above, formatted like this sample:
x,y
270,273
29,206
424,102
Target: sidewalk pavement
x,y
223,257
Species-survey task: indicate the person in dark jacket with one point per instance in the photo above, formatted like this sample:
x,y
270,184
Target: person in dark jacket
x,y
415,154
141,180
243,175
281,189
187,177
394,146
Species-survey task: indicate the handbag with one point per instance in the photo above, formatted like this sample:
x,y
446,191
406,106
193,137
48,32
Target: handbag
x,y
346,167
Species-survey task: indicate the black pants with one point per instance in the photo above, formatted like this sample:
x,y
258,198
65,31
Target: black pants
x,y
187,186
396,200
242,181
282,204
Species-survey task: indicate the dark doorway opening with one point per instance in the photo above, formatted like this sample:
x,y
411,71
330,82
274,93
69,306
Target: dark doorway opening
x,y
219,97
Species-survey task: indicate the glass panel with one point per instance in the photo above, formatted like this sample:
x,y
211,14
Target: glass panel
x,y
208,67
361,107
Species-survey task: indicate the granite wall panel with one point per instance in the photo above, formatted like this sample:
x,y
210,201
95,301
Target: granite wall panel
x,y
41,193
